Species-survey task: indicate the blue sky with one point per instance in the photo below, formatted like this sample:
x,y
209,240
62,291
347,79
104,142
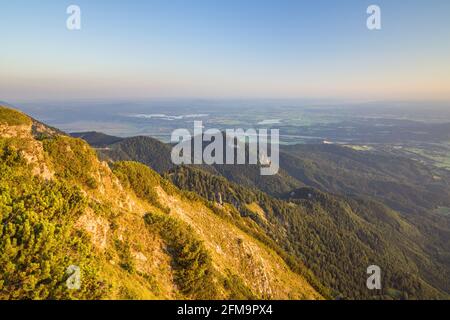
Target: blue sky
x,y
225,49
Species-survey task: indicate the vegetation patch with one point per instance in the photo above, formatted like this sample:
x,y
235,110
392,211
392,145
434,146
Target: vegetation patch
x,y
237,288
192,264
311,229
72,159
37,239
126,258
142,180
13,117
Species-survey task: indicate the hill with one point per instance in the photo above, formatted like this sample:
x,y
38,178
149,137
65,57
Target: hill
x,y
337,237
364,208
131,233
96,139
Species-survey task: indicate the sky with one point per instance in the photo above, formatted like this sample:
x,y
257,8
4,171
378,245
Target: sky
x,y
225,49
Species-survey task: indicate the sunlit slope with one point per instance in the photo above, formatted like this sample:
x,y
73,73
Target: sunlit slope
x,y
335,209
337,237
132,233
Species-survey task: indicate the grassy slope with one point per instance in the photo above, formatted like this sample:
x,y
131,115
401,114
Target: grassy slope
x,y
13,117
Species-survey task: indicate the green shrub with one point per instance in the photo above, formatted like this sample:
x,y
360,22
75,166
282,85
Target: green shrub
x,y
141,179
126,258
238,289
72,159
92,183
191,262
37,239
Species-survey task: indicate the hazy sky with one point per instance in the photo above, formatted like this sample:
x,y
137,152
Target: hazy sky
x,y
225,48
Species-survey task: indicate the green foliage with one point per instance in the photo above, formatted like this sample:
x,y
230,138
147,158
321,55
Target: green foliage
x,y
72,159
191,262
126,258
139,178
334,236
13,117
337,238
142,180
37,239
91,183
146,150
238,289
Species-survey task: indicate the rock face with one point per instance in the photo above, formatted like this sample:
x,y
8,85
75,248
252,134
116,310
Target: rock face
x,y
97,227
31,150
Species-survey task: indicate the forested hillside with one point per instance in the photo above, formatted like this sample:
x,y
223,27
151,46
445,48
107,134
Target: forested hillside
x,y
337,237
336,209
309,232
131,233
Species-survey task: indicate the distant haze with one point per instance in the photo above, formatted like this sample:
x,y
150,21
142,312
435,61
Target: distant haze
x,y
225,49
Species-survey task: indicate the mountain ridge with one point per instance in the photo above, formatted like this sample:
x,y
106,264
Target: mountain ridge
x,y
132,233
403,214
